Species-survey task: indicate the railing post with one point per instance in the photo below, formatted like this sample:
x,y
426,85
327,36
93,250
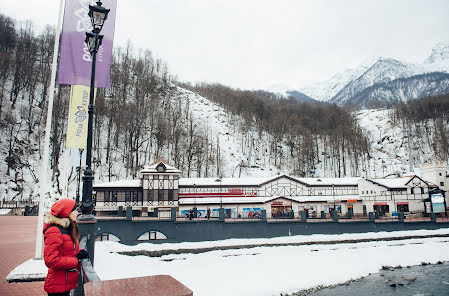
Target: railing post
x,y
335,216
303,216
221,216
129,213
263,215
173,214
86,268
433,217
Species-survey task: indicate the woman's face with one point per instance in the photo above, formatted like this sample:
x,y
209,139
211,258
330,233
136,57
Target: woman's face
x,y
73,215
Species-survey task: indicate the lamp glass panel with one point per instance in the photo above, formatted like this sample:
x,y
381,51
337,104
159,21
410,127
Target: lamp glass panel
x,y
98,18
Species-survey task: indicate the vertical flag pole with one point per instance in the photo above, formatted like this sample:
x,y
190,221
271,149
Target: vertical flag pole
x,y
43,179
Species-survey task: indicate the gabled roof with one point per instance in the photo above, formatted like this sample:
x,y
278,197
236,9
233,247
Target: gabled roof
x,y
152,168
330,181
398,182
257,182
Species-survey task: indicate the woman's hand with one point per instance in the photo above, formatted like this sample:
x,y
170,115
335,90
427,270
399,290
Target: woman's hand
x,y
82,254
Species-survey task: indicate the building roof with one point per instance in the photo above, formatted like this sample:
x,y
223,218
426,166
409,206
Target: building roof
x,y
330,181
398,182
222,182
152,168
119,184
188,182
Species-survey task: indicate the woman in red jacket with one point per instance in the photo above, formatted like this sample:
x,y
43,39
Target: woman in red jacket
x,y
61,251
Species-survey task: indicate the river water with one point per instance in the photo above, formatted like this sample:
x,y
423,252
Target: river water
x,y
427,280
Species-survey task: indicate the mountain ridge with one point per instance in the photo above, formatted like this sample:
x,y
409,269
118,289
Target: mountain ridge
x,y
346,87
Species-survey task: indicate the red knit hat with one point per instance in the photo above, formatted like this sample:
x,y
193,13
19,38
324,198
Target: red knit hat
x,y
63,207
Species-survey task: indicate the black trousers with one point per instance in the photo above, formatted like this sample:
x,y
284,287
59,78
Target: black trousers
x,y
59,294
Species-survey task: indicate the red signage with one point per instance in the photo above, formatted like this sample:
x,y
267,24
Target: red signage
x,y
380,203
236,191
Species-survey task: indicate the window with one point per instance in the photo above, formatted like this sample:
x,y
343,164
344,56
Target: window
x,y
363,192
422,190
412,190
165,177
371,192
156,177
150,195
441,183
403,208
160,195
114,196
160,168
441,174
107,196
170,194
127,196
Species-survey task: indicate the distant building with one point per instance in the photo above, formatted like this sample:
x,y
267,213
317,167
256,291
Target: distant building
x,y
435,173
160,188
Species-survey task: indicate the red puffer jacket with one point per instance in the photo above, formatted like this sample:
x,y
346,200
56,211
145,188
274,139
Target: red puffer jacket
x,y
59,255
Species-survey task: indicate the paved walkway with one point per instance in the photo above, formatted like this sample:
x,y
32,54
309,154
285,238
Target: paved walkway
x,y
17,245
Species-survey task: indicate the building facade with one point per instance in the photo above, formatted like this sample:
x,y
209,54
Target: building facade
x,y
160,188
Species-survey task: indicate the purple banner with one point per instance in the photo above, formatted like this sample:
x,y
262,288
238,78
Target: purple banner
x,y
75,61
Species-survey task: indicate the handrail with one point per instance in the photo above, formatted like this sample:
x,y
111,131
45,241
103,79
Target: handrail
x,y
87,269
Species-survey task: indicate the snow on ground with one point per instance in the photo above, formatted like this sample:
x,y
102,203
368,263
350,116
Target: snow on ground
x,y
4,211
271,270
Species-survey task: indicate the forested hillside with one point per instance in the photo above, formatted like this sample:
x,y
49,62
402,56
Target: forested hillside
x,y
428,120
307,134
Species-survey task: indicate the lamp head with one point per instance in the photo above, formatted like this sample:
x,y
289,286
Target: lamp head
x,y
98,14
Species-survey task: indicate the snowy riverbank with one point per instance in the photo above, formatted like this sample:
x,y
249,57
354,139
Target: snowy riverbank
x,y
273,270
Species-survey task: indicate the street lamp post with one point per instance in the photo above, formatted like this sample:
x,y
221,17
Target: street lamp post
x,y
86,220
333,196
98,15
221,195
78,172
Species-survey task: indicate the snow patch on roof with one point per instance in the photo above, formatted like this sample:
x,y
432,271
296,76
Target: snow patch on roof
x,y
120,183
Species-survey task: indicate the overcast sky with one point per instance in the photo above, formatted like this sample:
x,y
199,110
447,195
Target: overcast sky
x,y
251,44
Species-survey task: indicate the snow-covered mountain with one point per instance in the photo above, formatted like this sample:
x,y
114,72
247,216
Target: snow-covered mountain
x,y
325,90
384,70
399,90
375,81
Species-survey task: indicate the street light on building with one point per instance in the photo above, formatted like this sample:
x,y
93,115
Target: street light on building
x,y
333,195
98,15
221,195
